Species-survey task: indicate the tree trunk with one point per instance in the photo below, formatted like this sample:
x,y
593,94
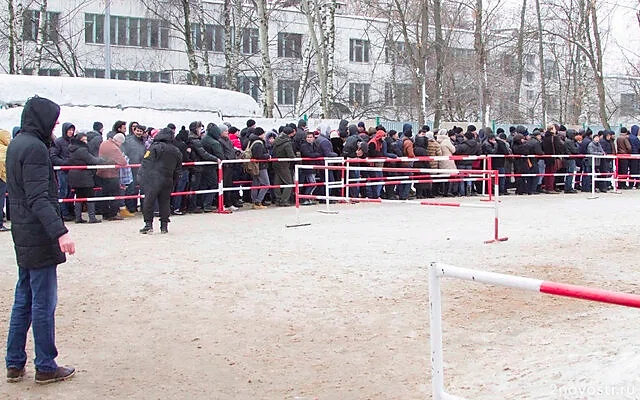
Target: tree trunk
x,y
12,39
266,78
41,39
205,51
230,55
312,15
329,51
598,71
439,47
520,59
304,80
191,54
543,84
481,56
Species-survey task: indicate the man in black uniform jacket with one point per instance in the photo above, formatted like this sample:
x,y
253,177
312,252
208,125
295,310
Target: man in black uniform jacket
x,y
159,171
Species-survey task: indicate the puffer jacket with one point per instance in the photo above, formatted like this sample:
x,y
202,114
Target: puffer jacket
x,y
59,153
134,148
5,138
35,212
161,165
448,149
433,150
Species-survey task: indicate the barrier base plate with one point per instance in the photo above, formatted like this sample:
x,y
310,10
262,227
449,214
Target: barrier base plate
x,y
327,212
498,240
298,225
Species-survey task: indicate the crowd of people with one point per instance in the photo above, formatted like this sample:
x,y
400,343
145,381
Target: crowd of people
x,y
126,144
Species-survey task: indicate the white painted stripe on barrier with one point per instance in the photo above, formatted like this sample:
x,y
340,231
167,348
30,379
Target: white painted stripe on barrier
x,y
492,278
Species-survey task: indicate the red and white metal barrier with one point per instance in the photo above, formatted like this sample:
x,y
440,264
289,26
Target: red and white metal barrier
x,y
438,271
491,179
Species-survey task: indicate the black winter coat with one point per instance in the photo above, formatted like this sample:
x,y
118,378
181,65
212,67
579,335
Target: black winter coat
x,y
80,155
258,151
59,152
94,140
134,148
470,147
33,192
198,153
161,165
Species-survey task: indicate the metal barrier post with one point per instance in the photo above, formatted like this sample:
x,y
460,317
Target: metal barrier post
x,y
326,189
435,333
593,177
221,209
296,188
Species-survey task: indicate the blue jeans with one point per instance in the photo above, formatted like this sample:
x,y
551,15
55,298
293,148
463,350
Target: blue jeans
x,y
63,191
180,187
502,181
373,191
354,191
464,187
35,302
132,190
3,193
571,169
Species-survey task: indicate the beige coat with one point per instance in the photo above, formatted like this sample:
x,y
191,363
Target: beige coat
x,y
5,138
447,150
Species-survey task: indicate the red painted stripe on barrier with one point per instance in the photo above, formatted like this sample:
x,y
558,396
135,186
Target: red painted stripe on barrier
x,y
435,203
585,293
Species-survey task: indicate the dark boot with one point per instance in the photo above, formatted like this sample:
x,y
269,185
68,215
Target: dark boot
x,y
91,210
77,208
164,227
148,228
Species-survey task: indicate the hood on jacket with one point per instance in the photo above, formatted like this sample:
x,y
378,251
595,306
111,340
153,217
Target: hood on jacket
x,y
65,127
39,117
343,126
5,137
635,129
76,143
407,130
421,141
281,140
353,130
165,135
214,132
325,129
302,124
15,131
183,136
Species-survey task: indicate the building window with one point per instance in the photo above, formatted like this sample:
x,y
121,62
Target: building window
x,y
249,41
289,45
359,94
130,75
629,104
218,81
31,22
550,70
287,92
93,28
42,72
213,37
460,54
396,53
249,85
127,31
358,50
399,94
530,95
530,59
529,76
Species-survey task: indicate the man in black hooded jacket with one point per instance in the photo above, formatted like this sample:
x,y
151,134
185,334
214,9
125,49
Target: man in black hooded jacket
x,y
159,172
40,241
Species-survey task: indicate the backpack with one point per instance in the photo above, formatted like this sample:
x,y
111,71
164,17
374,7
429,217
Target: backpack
x,y
252,168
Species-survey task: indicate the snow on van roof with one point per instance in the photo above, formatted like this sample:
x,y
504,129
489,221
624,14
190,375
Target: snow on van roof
x,y
83,92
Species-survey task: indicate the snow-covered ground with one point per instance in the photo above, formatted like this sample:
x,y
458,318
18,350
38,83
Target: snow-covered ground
x,y
240,307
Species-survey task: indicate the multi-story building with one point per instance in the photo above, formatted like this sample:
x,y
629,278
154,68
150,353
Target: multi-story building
x,y
371,72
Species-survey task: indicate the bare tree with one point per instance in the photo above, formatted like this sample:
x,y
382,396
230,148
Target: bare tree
x,y
520,57
41,38
266,76
439,50
543,86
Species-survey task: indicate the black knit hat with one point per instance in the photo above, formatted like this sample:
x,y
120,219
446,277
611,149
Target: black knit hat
x,y
97,126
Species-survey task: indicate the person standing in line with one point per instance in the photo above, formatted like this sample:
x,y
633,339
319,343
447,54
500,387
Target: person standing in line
x,y
59,154
5,138
41,241
159,172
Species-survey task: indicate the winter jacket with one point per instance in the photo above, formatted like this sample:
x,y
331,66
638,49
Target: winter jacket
x,y
420,150
535,147
607,146
134,148
35,214
351,146
283,148
198,153
633,139
570,148
470,147
228,149
161,165
111,153
79,155
258,150
585,144
94,140
211,142
503,149
5,138
448,149
521,165
594,148
623,146
310,150
433,150
245,136
180,142
407,148
326,148
59,153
